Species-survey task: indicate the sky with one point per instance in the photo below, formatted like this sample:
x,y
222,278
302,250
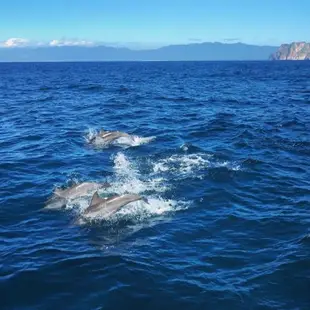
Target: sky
x,y
150,23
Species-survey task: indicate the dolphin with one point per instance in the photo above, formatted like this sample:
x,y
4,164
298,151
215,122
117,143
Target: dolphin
x,y
106,136
108,206
61,196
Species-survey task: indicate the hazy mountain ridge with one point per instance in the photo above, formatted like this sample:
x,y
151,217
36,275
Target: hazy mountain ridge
x,y
186,52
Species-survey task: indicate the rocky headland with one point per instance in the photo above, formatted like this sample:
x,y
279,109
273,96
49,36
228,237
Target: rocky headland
x,y
293,51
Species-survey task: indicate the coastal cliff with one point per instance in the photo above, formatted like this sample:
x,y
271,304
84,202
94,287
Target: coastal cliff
x,y
293,51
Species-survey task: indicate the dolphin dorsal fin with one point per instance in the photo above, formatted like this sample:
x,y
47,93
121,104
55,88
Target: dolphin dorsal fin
x,y
95,200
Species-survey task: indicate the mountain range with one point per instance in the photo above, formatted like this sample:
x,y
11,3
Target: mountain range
x,y
186,52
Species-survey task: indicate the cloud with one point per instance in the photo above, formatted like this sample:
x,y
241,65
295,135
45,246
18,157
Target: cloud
x,y
195,40
71,43
21,42
232,39
14,42
132,45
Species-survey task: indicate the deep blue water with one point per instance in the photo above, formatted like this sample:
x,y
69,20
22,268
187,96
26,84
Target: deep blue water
x,y
227,177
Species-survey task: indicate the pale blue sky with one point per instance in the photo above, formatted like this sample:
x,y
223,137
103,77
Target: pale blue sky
x,y
156,22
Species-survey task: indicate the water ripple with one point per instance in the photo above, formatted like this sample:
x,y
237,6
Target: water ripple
x,y
222,152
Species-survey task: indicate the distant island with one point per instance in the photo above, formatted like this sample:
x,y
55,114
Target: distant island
x,y
187,52
293,51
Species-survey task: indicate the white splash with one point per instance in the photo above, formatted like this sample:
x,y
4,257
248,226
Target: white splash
x,y
189,164
184,164
133,140
91,134
155,206
139,211
128,179
229,165
160,167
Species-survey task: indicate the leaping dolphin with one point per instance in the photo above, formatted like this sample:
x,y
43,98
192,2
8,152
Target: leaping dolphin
x,y
106,136
61,196
108,206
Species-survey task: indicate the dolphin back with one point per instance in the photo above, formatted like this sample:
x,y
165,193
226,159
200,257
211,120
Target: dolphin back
x,y
112,204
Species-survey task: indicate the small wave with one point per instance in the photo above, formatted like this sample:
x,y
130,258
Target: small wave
x,y
252,162
188,147
42,99
91,88
304,91
73,86
123,89
174,99
48,98
45,88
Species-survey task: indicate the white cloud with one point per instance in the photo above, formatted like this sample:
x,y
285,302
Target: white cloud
x,y
70,43
14,42
21,42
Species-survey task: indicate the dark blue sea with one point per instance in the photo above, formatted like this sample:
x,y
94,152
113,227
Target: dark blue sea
x,y
221,151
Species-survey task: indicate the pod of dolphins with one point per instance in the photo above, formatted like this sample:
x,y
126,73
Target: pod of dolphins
x,y
103,206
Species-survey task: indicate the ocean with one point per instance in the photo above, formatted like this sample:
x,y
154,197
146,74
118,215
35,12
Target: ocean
x,y
221,150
